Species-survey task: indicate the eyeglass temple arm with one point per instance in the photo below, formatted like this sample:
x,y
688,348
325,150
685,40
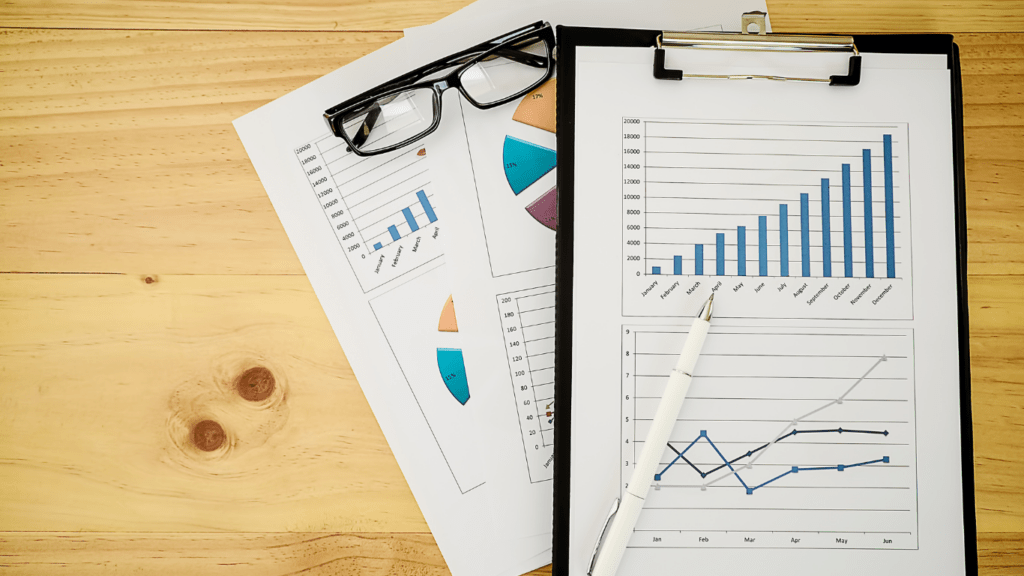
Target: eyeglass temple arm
x,y
363,134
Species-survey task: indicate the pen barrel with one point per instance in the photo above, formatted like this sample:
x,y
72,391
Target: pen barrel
x,y
692,347
621,528
668,410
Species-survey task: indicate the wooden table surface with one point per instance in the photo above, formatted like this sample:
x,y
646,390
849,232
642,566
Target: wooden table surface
x,y
143,269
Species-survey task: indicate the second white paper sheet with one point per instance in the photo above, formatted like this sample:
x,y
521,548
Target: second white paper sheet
x,y
498,186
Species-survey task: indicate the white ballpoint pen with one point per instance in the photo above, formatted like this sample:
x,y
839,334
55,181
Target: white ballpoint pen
x,y
611,549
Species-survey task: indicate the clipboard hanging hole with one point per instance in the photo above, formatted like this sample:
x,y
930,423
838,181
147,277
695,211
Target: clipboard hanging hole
x,y
753,23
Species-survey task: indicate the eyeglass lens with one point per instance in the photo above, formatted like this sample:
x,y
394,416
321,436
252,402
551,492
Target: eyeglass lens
x,y
390,120
507,71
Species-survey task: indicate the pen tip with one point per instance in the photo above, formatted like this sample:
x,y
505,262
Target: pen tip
x,y
705,311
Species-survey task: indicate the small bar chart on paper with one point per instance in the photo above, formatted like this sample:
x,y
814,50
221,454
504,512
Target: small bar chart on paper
x,y
798,220
790,437
379,207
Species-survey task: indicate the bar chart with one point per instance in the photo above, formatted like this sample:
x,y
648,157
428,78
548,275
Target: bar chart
x,y
375,206
812,211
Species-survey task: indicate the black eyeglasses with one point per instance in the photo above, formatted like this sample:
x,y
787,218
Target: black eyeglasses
x,y
408,108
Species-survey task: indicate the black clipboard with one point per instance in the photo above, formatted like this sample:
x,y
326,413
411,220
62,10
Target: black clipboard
x,y
569,38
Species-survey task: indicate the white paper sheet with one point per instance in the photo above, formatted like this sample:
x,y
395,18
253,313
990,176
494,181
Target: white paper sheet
x,y
837,384
501,257
380,276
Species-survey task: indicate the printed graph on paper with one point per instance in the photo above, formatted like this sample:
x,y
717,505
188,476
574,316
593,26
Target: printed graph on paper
x,y
379,207
789,438
798,220
528,327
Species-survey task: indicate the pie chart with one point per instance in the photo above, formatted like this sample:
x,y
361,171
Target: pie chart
x,y
449,359
526,162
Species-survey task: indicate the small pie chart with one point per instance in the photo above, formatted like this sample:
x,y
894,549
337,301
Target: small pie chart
x,y
449,359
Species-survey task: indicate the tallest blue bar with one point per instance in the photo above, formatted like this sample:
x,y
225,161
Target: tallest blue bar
x,y
890,226
869,242
422,196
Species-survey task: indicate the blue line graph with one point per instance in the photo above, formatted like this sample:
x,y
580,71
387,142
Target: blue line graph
x,y
681,455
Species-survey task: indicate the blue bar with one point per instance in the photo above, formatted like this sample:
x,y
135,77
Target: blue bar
x,y
869,242
847,224
394,232
426,206
805,235
826,230
655,269
698,259
762,245
890,217
741,250
784,239
720,254
378,246
408,218
677,265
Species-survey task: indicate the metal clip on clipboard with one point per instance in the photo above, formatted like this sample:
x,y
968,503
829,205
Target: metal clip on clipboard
x,y
756,42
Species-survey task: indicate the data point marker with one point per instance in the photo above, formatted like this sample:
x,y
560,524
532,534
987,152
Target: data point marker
x,y
657,477
885,459
840,468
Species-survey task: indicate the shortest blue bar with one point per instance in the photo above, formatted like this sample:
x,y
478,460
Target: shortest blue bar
x,y
422,196
677,265
378,246
655,269
394,232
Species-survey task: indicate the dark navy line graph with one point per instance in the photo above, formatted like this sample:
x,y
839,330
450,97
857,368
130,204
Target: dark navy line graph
x,y
791,436
750,488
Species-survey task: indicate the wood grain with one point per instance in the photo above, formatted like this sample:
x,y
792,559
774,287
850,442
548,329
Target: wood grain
x,y
121,156
356,15
117,156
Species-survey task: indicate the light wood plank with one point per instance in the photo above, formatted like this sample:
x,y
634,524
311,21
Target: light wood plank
x,y
121,156
104,375
97,368
786,15
315,554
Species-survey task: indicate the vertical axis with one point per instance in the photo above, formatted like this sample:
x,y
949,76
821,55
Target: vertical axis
x,y
741,250
890,224
869,243
698,259
805,235
784,239
847,224
720,254
762,245
826,231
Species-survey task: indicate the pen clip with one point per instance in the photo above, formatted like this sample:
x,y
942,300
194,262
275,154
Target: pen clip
x,y
604,531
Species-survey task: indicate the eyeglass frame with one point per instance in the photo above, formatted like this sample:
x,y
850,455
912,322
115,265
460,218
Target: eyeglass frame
x,y
542,30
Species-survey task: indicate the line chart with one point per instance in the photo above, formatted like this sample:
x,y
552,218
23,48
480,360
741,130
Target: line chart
x,y
750,489
790,437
